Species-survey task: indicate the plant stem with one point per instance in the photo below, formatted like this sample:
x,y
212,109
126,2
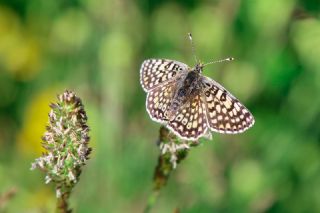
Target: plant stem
x,y
152,200
62,204
164,167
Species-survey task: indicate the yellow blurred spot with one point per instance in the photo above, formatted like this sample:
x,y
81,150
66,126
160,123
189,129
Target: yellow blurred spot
x,y
44,198
19,52
35,121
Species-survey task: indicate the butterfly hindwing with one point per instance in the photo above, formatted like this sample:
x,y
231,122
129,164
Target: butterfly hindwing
x,y
225,113
158,101
190,120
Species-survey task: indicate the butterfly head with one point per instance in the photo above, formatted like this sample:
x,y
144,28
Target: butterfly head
x,y
198,68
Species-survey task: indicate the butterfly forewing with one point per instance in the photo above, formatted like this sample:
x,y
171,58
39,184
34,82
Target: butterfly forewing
x,y
158,100
225,113
155,72
190,121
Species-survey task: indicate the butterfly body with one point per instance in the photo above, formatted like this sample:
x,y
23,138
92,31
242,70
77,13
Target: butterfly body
x,y
189,87
189,103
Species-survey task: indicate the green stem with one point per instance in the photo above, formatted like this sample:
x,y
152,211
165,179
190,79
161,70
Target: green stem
x,y
152,200
161,175
164,168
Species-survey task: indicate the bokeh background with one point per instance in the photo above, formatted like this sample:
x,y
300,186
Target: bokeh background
x,y
96,47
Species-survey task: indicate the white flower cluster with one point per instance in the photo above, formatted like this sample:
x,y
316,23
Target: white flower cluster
x,y
172,148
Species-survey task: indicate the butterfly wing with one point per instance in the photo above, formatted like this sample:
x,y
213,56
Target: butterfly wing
x,y
158,101
154,72
190,122
225,114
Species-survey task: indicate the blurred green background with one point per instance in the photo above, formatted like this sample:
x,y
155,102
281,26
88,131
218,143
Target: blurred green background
x,y
96,47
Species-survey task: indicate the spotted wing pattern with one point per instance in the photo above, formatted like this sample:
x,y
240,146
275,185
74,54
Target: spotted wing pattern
x,y
155,72
225,113
158,101
190,122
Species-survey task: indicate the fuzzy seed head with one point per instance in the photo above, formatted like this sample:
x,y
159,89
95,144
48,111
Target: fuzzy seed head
x,y
66,143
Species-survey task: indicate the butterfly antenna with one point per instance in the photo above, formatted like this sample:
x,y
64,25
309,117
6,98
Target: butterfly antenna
x,y
193,49
218,61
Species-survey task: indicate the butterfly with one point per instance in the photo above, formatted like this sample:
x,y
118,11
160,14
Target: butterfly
x,y
189,103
